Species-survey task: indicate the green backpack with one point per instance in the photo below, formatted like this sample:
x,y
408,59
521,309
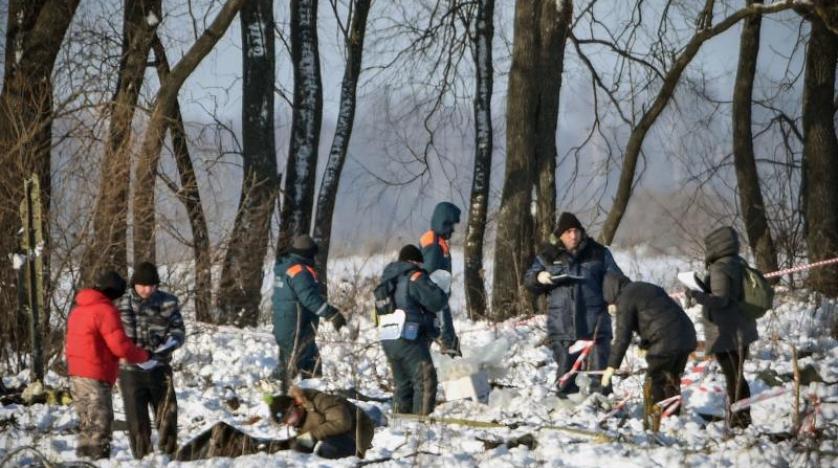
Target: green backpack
x,y
757,292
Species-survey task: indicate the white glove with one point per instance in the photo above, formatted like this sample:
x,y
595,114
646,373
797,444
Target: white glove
x,y
606,377
171,342
442,279
148,365
545,278
306,440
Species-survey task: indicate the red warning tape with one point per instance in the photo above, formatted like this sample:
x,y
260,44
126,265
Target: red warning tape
x,y
585,346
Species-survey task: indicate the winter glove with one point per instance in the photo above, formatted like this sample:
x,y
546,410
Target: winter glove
x,y
338,320
306,440
545,278
442,279
148,365
606,377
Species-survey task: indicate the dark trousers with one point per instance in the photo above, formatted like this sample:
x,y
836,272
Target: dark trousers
x,y
597,360
298,352
733,364
141,389
339,446
414,375
663,376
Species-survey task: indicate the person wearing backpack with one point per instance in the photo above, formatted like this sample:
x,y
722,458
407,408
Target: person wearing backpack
x,y
298,305
409,351
728,330
437,262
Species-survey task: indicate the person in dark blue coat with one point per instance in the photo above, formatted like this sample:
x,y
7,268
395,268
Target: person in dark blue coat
x,y
298,306
437,259
409,354
571,270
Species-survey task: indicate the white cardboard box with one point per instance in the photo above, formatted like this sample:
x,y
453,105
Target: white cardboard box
x,y
474,386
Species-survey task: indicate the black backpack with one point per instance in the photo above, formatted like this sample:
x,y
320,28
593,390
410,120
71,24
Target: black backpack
x,y
385,296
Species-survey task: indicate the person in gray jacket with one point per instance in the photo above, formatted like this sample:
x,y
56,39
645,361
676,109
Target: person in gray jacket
x,y
152,320
728,330
666,334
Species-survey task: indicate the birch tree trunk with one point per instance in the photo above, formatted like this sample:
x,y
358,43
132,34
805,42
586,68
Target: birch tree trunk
x,y
327,197
483,146
240,288
300,171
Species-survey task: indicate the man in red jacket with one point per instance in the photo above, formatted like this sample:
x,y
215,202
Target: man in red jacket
x,y
94,344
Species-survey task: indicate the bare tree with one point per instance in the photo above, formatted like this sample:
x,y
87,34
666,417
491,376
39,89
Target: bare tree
x,y
541,29
354,43
307,111
190,196
669,83
161,116
747,176
241,277
35,31
820,153
108,246
483,146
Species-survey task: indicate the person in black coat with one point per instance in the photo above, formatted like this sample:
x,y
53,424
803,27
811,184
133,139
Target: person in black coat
x,y
728,330
666,333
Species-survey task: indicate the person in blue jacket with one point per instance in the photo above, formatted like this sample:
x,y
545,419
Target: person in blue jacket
x,y
570,271
298,305
437,258
409,354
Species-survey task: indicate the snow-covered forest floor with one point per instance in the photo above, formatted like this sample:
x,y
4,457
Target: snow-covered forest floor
x,y
220,367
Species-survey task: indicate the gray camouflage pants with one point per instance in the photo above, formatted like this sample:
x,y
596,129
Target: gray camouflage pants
x,y
93,403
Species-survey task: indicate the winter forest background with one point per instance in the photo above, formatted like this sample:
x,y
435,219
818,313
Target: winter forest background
x,y
208,132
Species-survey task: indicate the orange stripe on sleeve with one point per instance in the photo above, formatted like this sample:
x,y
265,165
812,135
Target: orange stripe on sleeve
x,y
415,276
294,270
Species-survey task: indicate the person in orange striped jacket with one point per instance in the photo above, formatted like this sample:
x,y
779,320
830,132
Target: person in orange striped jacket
x,y
298,306
437,255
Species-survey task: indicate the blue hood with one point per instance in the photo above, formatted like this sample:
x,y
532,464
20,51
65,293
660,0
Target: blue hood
x,y
445,216
397,269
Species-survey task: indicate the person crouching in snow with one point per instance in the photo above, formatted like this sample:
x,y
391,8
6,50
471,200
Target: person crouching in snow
x,y
328,425
95,342
666,334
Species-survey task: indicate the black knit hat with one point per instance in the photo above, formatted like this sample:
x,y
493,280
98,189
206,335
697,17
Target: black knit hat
x,y
111,284
567,221
410,253
146,274
303,245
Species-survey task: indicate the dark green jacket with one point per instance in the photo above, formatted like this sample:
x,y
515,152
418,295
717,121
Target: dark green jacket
x,y
416,294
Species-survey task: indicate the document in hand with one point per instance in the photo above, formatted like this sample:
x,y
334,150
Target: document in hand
x,y
168,344
690,280
565,277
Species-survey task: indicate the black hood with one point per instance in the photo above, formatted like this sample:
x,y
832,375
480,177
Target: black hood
x,y
397,269
612,285
723,242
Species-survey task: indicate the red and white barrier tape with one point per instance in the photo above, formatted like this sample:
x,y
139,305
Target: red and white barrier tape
x,y
767,395
669,405
802,268
585,346
617,408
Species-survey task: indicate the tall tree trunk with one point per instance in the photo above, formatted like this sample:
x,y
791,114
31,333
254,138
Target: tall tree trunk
x,y
240,291
301,169
108,247
343,131
161,116
625,187
190,196
554,26
532,111
820,153
483,145
35,31
747,177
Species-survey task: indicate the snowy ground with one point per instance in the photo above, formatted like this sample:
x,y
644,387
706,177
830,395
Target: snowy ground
x,y
218,364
